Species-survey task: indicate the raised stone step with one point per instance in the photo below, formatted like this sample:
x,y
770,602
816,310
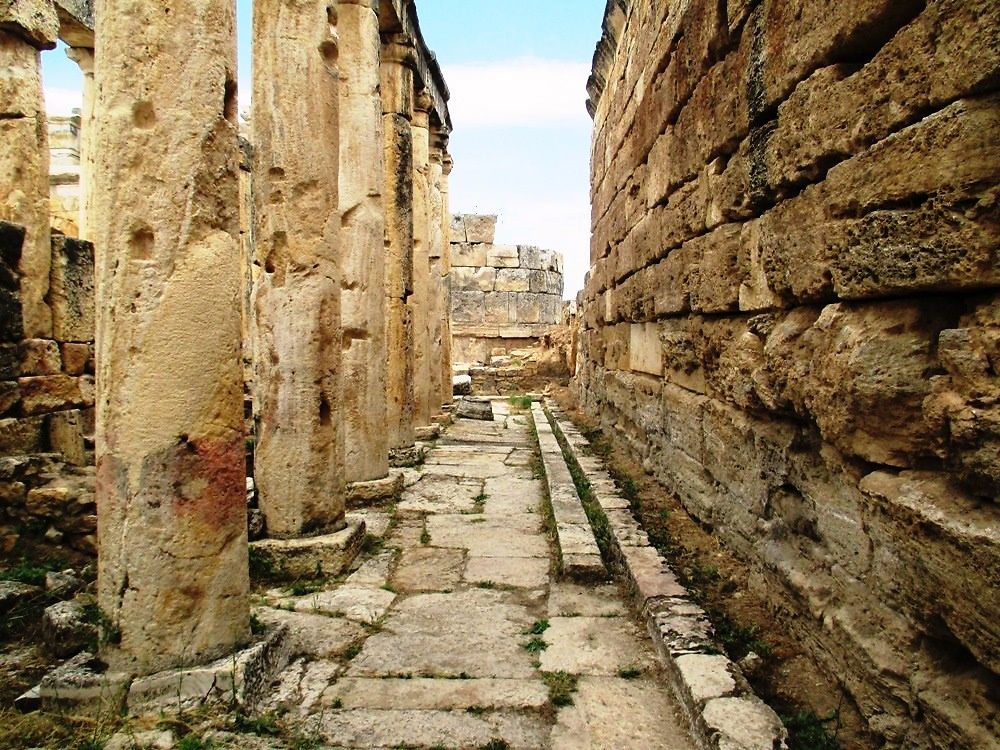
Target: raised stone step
x,y
578,550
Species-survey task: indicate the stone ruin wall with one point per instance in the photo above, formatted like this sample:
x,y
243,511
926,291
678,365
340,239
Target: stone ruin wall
x,y
503,297
47,400
792,315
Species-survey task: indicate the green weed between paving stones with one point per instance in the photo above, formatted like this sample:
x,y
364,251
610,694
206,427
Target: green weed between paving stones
x,y
561,687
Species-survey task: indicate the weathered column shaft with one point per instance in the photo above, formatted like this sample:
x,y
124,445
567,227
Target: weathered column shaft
x,y
172,565
446,372
436,288
362,238
420,299
26,29
397,106
299,460
84,57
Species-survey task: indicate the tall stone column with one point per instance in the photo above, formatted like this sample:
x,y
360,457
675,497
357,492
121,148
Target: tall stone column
x,y
299,459
26,28
84,57
362,238
397,106
446,373
171,504
435,260
420,299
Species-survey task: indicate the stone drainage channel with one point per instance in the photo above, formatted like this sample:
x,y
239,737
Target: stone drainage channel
x,y
460,626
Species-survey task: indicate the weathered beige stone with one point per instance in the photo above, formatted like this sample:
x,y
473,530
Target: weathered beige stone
x,y
480,228
420,301
502,256
170,449
71,289
513,280
24,155
396,76
465,254
299,457
361,176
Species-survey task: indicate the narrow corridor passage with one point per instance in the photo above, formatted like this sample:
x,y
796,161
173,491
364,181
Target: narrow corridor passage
x,y
454,632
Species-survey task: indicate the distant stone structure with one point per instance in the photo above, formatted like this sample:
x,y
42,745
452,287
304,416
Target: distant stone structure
x,y
503,297
64,174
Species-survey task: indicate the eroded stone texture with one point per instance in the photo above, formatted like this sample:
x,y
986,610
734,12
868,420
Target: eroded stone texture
x,y
420,302
25,28
366,448
171,493
397,102
300,441
791,317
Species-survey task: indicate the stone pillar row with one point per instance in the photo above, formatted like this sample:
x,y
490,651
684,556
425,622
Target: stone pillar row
x,y
349,308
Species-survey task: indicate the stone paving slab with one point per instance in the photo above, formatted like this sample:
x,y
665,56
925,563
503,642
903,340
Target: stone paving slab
x,y
595,720
431,694
440,637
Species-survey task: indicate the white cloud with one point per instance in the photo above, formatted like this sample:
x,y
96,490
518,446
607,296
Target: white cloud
x,y
62,101
521,92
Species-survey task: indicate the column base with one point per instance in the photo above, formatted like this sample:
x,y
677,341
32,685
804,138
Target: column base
x,y
409,456
82,686
427,432
375,491
323,556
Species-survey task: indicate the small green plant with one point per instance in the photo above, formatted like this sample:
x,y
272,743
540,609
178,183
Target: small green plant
x,y
738,640
561,687
538,627
256,626
629,673
337,703
33,573
265,725
520,402
535,645
425,537
261,566
372,544
351,651
807,731
303,588
390,588
496,744
480,501
192,741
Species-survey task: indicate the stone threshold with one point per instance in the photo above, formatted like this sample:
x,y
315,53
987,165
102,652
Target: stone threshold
x,y
579,555
719,703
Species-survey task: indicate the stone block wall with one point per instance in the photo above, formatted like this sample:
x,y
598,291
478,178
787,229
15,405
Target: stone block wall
x,y
792,315
47,396
502,296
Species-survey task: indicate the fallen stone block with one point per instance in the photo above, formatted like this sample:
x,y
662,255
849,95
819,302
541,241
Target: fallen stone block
x,y
469,408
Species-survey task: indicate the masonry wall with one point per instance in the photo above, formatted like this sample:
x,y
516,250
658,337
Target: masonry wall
x,y
792,315
502,296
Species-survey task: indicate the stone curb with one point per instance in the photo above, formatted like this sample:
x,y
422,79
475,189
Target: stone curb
x,y
721,707
578,550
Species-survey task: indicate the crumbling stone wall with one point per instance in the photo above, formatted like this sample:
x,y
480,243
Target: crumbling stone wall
x,y
502,296
792,315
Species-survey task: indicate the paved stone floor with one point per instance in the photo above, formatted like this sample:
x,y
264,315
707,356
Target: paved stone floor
x,y
449,632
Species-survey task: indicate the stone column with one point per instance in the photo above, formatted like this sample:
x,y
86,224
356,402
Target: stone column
x,y
446,372
299,459
172,519
397,106
436,287
26,27
420,299
366,441
84,57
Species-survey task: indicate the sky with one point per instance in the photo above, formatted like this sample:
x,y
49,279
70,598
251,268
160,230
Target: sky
x,y
517,71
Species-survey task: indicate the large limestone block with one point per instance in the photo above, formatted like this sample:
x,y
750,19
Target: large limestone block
x,y
466,254
467,307
497,308
71,289
502,256
480,228
527,307
513,280
470,279
35,21
530,257
457,229
645,349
